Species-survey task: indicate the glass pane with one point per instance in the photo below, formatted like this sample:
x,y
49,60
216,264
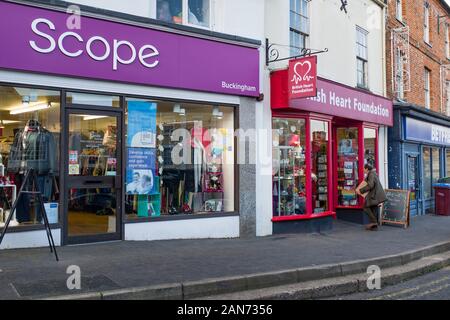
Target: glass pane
x,y
427,173
436,165
92,145
319,165
289,164
412,177
199,12
29,139
347,166
370,146
180,159
92,211
93,99
169,11
448,163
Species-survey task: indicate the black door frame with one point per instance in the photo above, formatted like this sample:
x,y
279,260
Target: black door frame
x,y
71,182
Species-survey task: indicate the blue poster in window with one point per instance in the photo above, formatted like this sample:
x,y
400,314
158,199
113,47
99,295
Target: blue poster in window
x,y
141,124
141,171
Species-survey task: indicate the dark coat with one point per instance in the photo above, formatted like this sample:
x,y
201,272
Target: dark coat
x,y
376,194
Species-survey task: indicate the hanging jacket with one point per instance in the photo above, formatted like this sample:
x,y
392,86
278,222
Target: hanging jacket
x,y
33,150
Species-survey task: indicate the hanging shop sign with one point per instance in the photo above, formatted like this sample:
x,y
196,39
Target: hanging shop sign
x,y
303,77
333,99
38,40
422,131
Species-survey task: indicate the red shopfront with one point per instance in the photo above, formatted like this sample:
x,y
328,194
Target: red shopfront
x,y
320,146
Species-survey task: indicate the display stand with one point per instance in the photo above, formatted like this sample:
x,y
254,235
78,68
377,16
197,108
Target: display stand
x,y
31,177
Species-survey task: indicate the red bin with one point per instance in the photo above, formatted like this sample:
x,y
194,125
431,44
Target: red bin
x,y
442,199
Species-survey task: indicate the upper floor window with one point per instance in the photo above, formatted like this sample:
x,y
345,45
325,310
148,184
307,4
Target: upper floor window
x,y
299,25
426,23
399,77
426,82
189,12
362,57
398,10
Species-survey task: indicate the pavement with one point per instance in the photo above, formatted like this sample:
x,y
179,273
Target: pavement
x,y
33,273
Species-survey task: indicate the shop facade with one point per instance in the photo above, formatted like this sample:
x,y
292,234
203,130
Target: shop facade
x,y
130,129
331,136
419,149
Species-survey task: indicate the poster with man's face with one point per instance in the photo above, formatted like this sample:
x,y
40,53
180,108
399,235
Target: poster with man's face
x,y
141,171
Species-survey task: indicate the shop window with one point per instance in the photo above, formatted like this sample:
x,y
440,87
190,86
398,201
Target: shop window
x,y
289,165
192,12
30,139
370,142
436,165
179,159
347,166
319,165
298,25
447,163
427,184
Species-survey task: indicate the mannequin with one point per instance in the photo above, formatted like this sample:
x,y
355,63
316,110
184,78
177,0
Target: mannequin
x,y
34,147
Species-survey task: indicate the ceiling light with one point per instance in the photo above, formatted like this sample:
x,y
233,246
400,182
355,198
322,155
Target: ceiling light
x,y
177,109
87,118
217,113
29,108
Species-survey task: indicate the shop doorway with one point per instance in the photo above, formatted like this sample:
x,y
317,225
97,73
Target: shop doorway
x,y
413,185
93,176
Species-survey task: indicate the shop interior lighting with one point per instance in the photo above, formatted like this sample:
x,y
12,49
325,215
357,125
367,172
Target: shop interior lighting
x,y
217,113
30,108
177,109
87,118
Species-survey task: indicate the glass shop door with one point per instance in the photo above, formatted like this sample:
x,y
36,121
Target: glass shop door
x,y
93,176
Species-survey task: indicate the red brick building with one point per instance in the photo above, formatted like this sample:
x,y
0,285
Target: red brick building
x,y
428,52
418,80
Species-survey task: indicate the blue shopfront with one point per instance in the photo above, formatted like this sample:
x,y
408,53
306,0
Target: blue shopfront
x,y
418,153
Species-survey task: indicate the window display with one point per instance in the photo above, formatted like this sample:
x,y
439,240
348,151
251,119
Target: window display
x,y
289,165
427,184
347,166
29,133
319,165
447,174
180,159
370,140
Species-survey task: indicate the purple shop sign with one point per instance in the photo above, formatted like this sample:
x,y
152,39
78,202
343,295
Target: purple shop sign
x,y
38,40
334,99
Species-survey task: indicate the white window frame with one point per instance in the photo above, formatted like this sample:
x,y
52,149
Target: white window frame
x,y
426,23
426,82
301,34
365,59
185,13
399,10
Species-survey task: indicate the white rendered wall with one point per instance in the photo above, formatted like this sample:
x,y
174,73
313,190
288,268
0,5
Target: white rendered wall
x,y
29,239
223,227
339,64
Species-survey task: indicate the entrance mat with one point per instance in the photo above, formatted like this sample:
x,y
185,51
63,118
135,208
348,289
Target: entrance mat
x,y
59,287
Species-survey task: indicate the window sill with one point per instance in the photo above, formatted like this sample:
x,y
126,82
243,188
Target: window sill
x,y
428,44
304,216
37,227
401,21
182,217
364,88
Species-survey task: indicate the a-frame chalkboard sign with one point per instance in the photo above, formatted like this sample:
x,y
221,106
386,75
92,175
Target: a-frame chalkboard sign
x,y
395,210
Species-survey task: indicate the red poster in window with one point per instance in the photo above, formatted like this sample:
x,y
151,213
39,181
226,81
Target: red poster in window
x,y
303,77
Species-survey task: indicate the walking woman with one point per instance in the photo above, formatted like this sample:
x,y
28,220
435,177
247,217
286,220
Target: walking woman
x,y
375,196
